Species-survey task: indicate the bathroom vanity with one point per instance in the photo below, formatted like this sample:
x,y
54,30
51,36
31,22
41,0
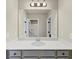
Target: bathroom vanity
x,y
60,49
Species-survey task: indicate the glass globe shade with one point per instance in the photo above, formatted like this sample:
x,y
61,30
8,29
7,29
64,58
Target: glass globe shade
x,y
44,4
32,4
38,4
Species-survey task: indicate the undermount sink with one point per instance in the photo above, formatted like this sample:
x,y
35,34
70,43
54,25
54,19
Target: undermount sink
x,y
38,43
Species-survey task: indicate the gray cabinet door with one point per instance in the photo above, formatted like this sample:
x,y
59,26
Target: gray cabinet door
x,y
62,53
14,53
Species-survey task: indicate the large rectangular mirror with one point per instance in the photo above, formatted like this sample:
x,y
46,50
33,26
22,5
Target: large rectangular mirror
x,y
38,21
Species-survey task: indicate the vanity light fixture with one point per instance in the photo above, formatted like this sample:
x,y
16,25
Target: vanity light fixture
x,y
32,3
38,4
44,4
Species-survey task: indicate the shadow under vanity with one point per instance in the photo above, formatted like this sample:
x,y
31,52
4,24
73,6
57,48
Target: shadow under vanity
x,y
38,54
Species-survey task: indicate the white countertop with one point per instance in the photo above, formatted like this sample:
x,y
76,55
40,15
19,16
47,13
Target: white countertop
x,y
49,45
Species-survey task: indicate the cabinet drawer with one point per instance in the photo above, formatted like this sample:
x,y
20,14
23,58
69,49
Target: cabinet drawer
x,y
47,53
14,53
30,58
48,58
62,58
38,53
62,53
14,58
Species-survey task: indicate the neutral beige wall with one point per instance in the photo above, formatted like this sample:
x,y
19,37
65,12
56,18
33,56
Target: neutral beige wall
x,y
65,18
22,15
12,18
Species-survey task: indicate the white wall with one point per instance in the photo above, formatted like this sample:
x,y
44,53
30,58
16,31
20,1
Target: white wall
x,y
65,18
12,18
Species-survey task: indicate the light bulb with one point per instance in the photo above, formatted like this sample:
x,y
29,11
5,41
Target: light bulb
x,y
44,4
32,4
38,4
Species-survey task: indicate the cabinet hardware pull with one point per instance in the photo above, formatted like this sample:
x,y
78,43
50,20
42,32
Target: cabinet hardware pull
x,y
63,53
14,53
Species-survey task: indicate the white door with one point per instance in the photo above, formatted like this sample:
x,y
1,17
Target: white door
x,y
34,28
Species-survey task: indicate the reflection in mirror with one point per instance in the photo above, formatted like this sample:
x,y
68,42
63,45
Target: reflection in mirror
x,y
37,21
